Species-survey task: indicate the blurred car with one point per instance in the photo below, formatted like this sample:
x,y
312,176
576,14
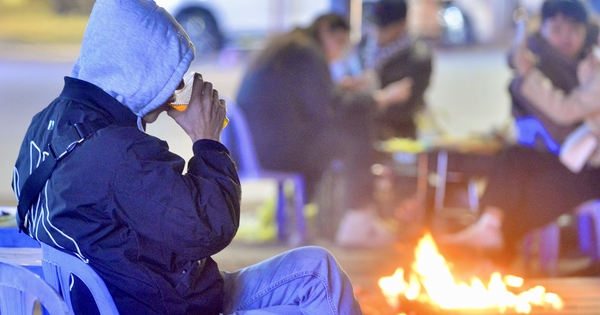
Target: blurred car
x,y
212,23
466,22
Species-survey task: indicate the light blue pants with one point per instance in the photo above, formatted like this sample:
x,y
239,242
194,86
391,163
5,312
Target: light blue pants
x,y
306,280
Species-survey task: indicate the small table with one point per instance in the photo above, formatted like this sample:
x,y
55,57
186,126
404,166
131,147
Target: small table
x,y
442,150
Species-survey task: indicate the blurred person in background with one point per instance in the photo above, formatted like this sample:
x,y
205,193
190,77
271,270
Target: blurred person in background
x,y
564,38
580,107
392,57
119,200
302,122
392,62
532,187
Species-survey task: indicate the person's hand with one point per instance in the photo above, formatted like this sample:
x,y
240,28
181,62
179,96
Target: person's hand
x,y
397,92
204,116
587,68
352,84
523,60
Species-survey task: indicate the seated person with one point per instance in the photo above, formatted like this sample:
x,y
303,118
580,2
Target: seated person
x,y
581,105
123,203
531,188
392,56
301,122
564,38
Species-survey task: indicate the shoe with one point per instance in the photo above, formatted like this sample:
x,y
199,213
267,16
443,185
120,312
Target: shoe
x,y
364,228
484,234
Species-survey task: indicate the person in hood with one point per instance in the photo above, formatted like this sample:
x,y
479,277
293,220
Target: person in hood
x,y
122,202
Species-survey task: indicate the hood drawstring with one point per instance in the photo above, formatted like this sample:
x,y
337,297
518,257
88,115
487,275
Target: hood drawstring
x,y
140,124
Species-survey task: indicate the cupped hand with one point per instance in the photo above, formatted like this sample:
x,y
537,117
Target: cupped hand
x,y
397,92
523,60
203,118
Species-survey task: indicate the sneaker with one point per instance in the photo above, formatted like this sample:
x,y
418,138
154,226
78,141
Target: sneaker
x,y
484,234
363,228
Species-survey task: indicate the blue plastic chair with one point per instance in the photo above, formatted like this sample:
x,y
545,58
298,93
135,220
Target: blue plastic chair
x,y
21,288
530,129
548,239
588,224
22,244
59,267
548,245
237,135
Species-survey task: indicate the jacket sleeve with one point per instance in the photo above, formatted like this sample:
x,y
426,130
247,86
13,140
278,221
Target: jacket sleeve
x,y
193,215
419,67
421,78
563,109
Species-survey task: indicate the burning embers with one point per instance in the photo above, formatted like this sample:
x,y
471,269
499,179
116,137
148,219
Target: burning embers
x,y
430,281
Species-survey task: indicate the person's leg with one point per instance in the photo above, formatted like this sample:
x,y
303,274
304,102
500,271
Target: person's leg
x,y
308,278
503,200
531,189
536,189
350,141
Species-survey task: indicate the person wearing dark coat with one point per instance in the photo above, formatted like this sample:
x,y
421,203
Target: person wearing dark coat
x,y
120,201
290,102
396,56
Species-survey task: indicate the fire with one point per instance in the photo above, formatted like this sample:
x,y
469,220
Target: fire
x,y
431,281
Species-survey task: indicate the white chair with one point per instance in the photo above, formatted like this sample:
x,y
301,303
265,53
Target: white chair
x,y
21,288
59,267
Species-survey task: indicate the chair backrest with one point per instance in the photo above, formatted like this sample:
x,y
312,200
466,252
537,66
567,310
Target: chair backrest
x,y
530,129
60,266
588,225
21,288
238,137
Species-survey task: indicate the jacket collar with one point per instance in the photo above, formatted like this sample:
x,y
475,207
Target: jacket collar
x,y
93,96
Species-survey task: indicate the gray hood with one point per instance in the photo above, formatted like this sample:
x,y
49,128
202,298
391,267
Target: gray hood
x,y
135,51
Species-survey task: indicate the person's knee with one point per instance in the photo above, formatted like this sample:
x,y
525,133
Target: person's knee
x,y
315,253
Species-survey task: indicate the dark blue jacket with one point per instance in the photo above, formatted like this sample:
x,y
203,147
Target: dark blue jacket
x,y
121,202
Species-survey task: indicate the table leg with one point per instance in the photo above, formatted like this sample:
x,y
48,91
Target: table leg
x,y
442,173
422,184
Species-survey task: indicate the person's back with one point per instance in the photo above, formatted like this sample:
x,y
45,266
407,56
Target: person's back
x,y
285,96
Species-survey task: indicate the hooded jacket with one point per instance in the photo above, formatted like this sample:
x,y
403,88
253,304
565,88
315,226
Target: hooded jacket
x,y
120,200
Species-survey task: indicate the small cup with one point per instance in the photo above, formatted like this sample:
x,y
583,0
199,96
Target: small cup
x,y
183,96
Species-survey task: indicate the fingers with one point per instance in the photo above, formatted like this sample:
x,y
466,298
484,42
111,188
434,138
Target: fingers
x,y
215,97
198,84
207,92
408,82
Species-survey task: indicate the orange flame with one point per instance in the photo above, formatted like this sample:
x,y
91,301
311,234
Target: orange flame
x,y
431,281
